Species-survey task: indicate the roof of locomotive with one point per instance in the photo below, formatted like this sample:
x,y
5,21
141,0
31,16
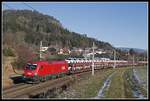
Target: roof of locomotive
x,y
49,62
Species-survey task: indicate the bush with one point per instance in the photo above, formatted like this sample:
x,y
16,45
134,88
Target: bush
x,y
36,58
57,57
8,52
19,64
24,54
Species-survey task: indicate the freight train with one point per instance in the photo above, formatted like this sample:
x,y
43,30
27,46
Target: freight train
x,y
41,71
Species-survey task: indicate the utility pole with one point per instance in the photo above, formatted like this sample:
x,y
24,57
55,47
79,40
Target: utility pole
x,y
128,56
145,60
114,58
40,50
85,55
133,60
93,60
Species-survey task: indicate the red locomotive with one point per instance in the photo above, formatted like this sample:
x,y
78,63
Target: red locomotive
x,y
43,70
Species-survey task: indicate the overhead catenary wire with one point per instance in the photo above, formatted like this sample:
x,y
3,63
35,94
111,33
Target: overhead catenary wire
x,y
30,6
22,3
8,6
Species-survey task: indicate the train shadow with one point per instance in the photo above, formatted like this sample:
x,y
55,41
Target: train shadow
x,y
17,79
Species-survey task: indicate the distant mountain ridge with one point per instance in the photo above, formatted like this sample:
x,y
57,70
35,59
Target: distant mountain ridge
x,y
135,49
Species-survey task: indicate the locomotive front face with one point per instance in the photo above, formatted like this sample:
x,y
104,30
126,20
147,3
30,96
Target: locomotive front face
x,y
30,70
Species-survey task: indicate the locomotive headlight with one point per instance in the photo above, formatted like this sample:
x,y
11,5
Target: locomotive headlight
x,y
35,74
24,77
29,73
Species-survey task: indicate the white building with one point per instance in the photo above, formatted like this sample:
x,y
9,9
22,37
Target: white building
x,y
44,48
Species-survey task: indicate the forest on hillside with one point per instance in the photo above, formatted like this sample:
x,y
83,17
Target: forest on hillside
x,y
34,26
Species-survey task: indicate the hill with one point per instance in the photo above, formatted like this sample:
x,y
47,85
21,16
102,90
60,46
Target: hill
x,y
29,27
135,49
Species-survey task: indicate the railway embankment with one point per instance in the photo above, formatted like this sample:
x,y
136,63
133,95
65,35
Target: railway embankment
x,y
106,84
9,73
87,86
135,85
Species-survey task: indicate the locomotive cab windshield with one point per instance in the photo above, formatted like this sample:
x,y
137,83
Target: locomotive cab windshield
x,y
31,66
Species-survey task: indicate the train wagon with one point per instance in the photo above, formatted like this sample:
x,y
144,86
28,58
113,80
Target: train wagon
x,y
44,70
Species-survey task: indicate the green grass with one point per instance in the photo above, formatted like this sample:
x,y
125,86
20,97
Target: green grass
x,y
121,85
88,86
142,74
128,84
131,84
116,89
91,86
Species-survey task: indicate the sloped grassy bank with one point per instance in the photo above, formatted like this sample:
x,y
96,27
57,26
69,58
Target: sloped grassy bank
x,y
122,84
133,88
87,86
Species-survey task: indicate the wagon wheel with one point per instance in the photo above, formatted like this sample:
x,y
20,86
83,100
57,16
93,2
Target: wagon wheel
x,y
36,79
43,79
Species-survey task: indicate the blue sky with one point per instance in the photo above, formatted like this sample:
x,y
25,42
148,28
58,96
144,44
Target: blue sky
x,y
120,24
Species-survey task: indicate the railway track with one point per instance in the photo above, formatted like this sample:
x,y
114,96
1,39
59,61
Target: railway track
x,y
24,90
13,86
32,88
